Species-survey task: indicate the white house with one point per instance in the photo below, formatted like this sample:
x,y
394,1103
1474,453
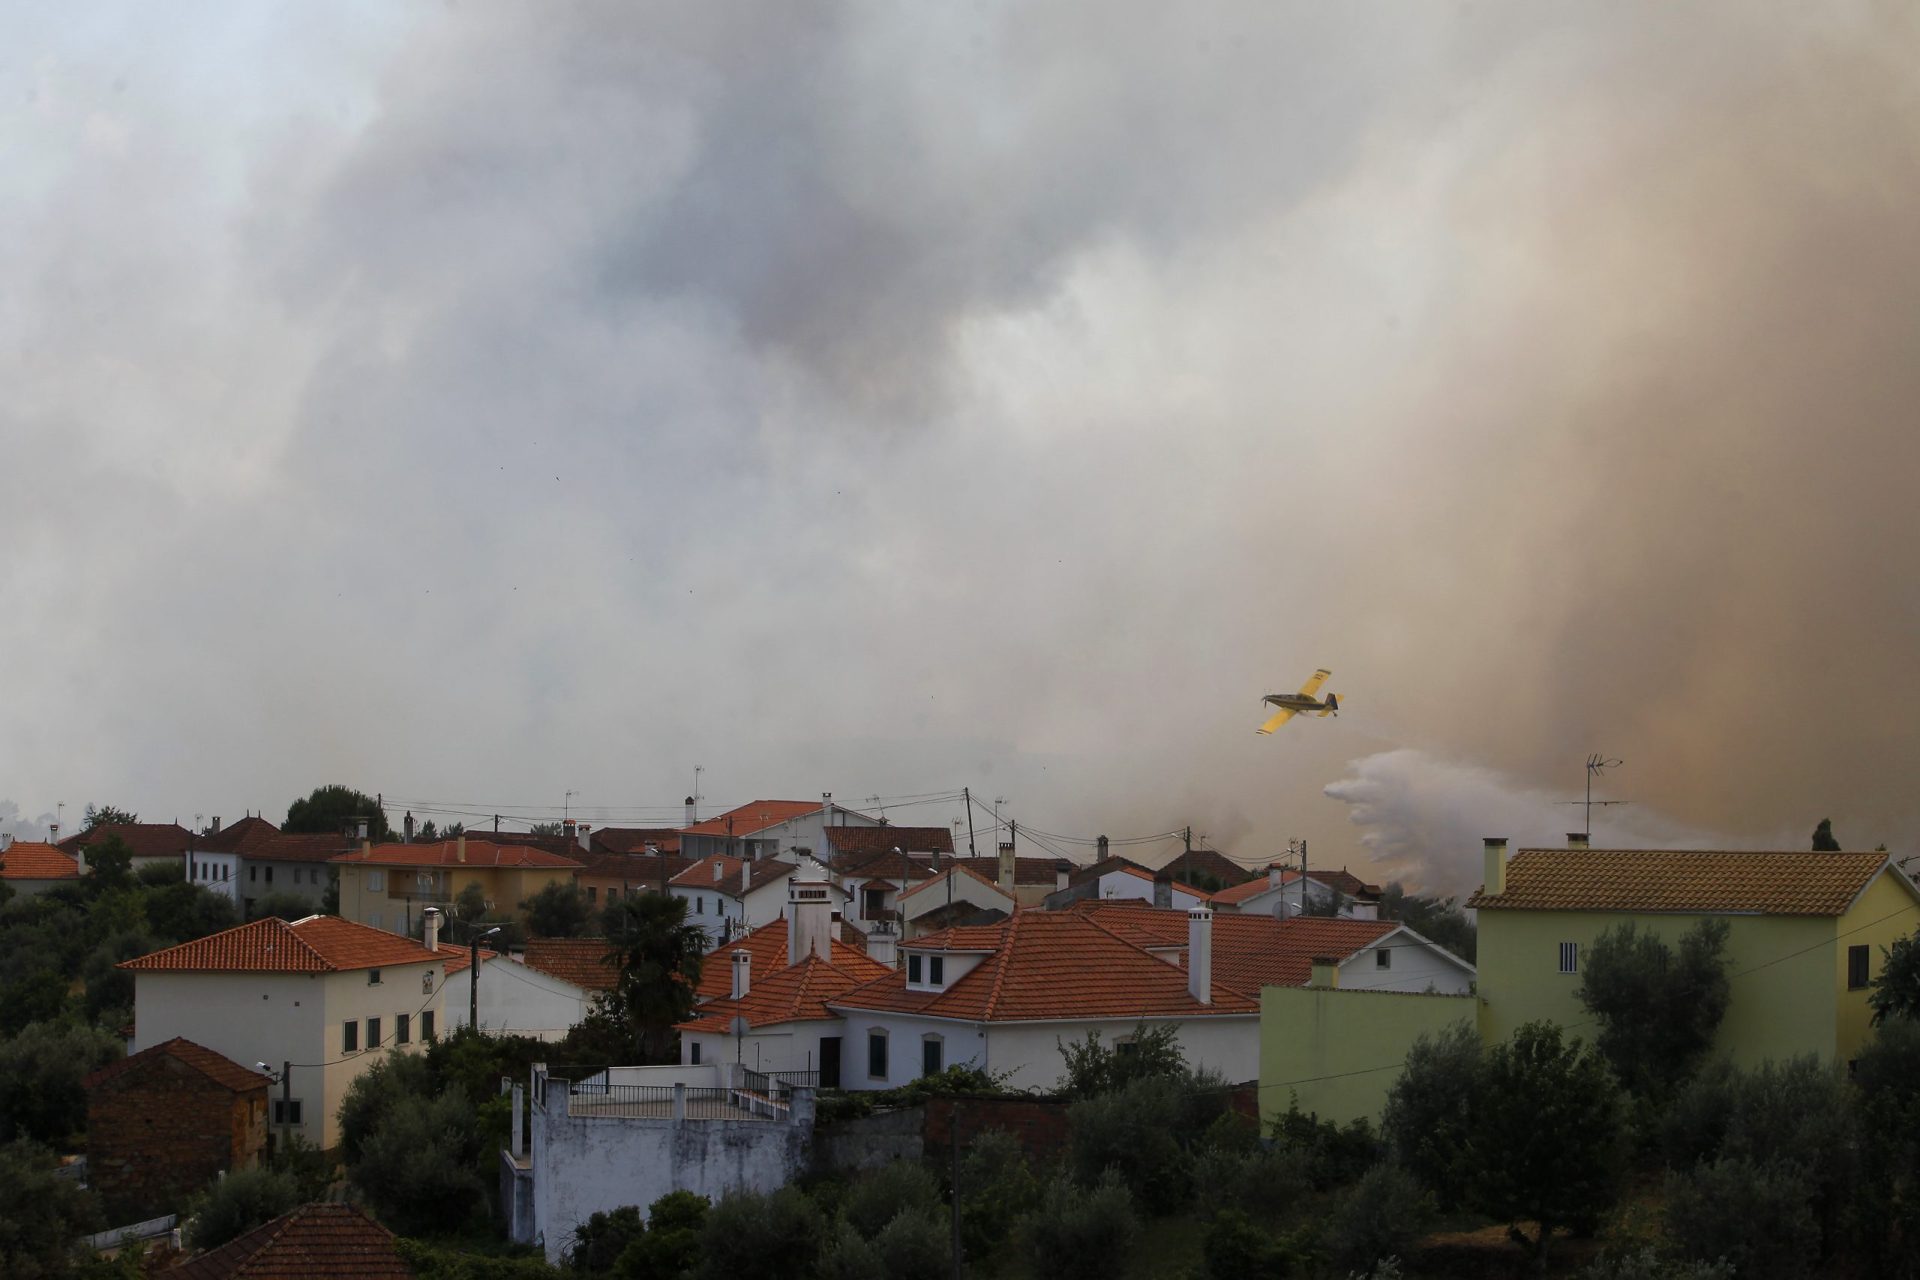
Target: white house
x,y
1283,891
770,829
516,998
325,995
30,866
252,859
728,896
957,895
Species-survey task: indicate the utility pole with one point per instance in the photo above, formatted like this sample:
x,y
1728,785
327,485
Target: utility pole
x,y
953,1143
286,1101
966,797
473,977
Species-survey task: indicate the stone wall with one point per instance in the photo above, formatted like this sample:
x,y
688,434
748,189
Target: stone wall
x,y
161,1131
868,1142
1040,1124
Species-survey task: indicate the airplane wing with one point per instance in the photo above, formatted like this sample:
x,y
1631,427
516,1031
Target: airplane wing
x,y
1279,719
1312,686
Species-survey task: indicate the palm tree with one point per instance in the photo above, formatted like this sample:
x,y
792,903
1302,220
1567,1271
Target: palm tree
x,y
658,955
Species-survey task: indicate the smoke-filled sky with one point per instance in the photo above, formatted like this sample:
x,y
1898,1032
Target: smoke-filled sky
x,y
477,403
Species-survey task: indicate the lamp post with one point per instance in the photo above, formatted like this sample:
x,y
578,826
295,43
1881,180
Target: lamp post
x,y
473,978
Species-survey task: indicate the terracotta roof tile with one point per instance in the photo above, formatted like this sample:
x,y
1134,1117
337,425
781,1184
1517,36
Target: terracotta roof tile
x,y
1249,952
853,842
36,860
642,870
797,993
317,944
1683,881
768,947
245,833
1027,871
1053,965
893,866
219,1068
146,839
751,818
634,839
581,961
480,852
314,1242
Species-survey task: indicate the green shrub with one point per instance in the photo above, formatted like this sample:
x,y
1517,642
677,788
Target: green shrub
x,y
748,1236
237,1203
377,1090
850,1256
1647,1264
1333,1156
671,1246
997,1187
915,1245
1093,1068
601,1239
1077,1234
41,1213
1254,1181
1378,1218
1759,1218
1134,1132
433,1261
878,1196
417,1169
40,1073
1428,1120
1235,1249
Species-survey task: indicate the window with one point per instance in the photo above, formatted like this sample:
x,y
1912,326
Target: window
x,y
593,894
269,875
376,880
613,895
913,968
350,1037
426,1025
373,1033
699,906
873,902
253,873
877,1055
1856,968
286,1111
693,1053
1383,958
1569,957
373,977
936,970
403,1028
931,1051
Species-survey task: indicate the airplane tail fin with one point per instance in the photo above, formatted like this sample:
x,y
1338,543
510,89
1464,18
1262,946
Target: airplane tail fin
x,y
1333,705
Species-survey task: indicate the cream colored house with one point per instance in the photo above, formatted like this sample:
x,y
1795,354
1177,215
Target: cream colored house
x,y
322,998
388,886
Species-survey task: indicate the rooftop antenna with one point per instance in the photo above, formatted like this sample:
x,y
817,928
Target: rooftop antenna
x,y
566,805
697,771
1596,763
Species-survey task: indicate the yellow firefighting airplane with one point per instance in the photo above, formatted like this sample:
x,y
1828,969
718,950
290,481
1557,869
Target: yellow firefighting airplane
x,y
1292,704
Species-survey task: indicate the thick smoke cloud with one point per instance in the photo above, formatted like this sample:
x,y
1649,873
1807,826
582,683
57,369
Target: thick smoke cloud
x,y
484,402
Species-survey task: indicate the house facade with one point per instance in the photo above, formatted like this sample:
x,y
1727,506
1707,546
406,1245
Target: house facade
x,y
152,843
388,886
327,995
771,829
30,867
1805,936
516,998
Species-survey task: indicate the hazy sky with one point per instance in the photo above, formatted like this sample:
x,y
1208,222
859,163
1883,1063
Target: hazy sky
x,y
477,402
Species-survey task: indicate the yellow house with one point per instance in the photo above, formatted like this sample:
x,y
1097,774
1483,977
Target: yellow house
x,y
389,885
1805,936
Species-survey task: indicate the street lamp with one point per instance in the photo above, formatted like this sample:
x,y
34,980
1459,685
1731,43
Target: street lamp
x,y
473,978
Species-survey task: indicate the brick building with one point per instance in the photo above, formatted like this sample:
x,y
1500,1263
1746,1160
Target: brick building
x,y
162,1123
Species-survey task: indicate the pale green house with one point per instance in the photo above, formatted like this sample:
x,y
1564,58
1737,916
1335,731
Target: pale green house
x,y
1805,940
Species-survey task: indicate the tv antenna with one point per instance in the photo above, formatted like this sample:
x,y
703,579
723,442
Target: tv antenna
x,y
1596,763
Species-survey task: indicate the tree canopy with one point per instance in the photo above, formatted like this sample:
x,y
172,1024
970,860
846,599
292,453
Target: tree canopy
x,y
1658,1010
658,954
1823,839
1896,992
326,810
1437,919
558,910
107,815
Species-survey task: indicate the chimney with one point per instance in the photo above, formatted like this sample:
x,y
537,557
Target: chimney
x,y
719,869
746,874
809,919
883,944
1163,889
430,927
1326,974
826,809
1006,868
460,847
1200,954
570,830
1496,881
366,845
406,827
1276,875
586,829
1062,871
1100,849
356,829
216,826
690,811
53,834
1576,839
6,841
742,974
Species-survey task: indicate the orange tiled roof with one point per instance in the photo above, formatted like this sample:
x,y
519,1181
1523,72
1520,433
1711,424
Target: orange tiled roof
x,y
797,993
768,947
580,961
1249,952
217,1067
1027,871
700,875
37,860
886,863
755,817
317,944
634,839
240,836
1053,965
641,870
314,1242
855,842
456,958
1240,893
1345,881
480,852
1684,881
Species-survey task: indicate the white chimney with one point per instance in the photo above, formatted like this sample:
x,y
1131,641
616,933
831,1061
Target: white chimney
x,y
586,830
1006,868
1200,954
883,944
692,808
430,927
1062,872
809,919
719,869
742,974
1496,874
53,833
746,873
1276,875
1163,889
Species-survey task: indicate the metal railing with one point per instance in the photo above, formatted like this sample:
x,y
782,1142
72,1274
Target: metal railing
x,y
595,1097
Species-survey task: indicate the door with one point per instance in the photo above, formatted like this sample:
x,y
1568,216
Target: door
x,y
829,1062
